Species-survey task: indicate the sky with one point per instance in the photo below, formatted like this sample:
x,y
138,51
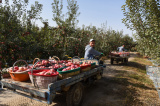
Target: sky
x,y
92,12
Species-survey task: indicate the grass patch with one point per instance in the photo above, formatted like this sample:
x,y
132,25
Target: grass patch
x,y
137,89
142,61
142,71
141,78
134,79
138,65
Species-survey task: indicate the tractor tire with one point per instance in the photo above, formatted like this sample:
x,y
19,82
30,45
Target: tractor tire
x,y
75,94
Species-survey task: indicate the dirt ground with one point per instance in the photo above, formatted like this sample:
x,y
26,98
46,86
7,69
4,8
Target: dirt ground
x,y
119,86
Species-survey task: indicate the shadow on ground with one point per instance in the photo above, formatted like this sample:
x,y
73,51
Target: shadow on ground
x,y
132,64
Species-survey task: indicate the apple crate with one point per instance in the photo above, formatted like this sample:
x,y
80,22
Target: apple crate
x,y
21,75
42,81
68,73
93,65
5,73
85,68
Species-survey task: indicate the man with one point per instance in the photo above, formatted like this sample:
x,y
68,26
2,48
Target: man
x,y
121,49
90,52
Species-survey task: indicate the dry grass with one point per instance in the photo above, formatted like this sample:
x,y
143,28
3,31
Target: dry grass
x,y
139,88
123,85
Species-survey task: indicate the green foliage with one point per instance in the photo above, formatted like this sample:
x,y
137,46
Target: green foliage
x,y
21,39
143,17
16,31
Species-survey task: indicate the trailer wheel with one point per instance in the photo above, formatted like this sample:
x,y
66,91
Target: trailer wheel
x,y
125,60
112,60
117,61
74,96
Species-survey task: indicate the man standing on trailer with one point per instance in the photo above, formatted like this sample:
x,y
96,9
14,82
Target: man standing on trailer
x,y
121,49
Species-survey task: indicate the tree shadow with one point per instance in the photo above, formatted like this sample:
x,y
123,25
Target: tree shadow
x,y
117,87
137,65
60,100
125,82
131,64
127,92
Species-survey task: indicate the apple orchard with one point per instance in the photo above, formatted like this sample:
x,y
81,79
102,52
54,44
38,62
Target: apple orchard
x,y
20,38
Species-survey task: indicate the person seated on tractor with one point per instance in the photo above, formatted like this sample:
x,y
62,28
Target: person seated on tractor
x,y
121,48
90,52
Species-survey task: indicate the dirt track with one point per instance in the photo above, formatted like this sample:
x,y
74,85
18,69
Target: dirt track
x,y
105,92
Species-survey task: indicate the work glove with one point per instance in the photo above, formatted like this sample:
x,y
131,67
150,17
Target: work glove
x,y
101,54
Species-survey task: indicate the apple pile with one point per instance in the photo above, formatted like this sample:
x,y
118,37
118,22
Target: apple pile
x,y
42,64
56,66
48,72
70,67
19,69
42,67
69,64
77,62
123,53
61,61
85,63
53,61
45,62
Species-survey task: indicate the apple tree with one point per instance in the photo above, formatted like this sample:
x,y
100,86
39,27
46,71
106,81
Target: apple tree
x,y
143,17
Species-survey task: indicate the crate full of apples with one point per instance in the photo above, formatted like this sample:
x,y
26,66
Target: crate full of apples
x,y
69,71
85,66
19,71
43,77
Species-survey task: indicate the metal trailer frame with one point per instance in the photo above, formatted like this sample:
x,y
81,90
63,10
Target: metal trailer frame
x,y
118,59
47,95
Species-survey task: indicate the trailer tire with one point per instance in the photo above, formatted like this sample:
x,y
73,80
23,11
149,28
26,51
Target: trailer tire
x,y
112,60
126,60
74,95
117,61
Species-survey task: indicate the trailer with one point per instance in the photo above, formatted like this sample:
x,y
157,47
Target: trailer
x,y
73,86
119,57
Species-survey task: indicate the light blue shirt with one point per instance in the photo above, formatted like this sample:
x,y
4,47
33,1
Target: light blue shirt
x,y
90,52
121,49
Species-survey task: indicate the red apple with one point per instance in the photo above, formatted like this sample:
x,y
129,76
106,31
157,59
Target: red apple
x,y
50,67
64,69
14,70
45,62
42,67
21,68
18,71
25,68
52,70
16,67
